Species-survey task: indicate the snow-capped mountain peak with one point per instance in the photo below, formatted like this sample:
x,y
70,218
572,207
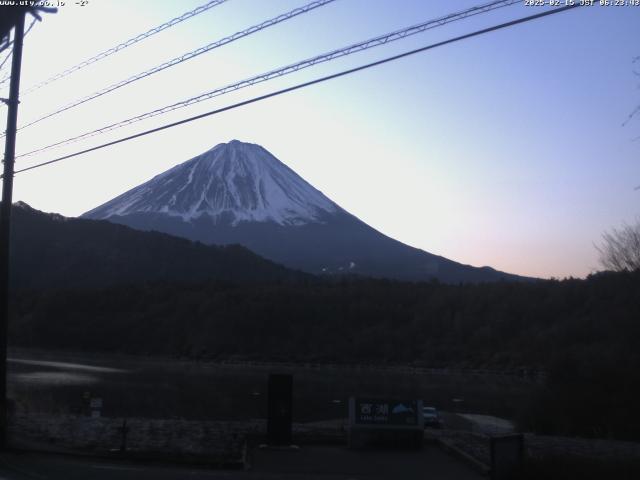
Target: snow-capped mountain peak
x,y
238,193
233,182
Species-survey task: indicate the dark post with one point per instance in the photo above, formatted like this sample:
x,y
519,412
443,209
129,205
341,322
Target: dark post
x,y
5,218
280,409
124,430
507,456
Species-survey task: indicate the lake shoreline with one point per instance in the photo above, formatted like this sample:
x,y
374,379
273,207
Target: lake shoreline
x,y
524,373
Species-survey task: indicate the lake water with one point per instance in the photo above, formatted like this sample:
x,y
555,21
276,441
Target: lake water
x,y
50,382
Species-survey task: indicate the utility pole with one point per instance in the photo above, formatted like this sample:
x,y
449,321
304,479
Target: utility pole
x,y
5,218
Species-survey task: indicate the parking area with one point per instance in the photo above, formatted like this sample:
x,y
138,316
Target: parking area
x,y
339,462
309,462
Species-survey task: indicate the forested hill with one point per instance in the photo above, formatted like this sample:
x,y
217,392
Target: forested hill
x,y
583,333
501,325
49,250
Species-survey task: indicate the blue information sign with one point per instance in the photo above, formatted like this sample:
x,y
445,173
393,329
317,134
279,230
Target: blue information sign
x,y
386,412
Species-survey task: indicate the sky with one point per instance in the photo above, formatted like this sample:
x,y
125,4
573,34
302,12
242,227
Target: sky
x,y
507,149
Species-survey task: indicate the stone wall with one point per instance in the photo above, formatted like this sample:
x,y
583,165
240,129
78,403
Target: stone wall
x,y
478,446
219,442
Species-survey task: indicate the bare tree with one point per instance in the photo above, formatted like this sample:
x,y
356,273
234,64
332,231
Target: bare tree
x,y
635,111
620,248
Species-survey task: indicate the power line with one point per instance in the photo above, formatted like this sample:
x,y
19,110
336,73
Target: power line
x,y
325,57
8,76
35,19
6,45
5,59
125,44
33,22
187,56
307,84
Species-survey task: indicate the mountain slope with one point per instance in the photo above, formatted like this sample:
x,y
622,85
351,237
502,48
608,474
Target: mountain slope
x,y
240,193
52,251
231,183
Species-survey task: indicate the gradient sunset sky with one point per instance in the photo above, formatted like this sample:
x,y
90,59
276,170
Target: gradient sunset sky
x,y
505,150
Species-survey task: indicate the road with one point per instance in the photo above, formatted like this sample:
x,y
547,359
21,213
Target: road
x,y
313,463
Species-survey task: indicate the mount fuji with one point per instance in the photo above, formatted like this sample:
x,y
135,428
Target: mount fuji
x,y
239,193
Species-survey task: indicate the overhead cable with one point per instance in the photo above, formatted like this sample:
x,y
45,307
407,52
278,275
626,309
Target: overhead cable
x,y
35,19
187,56
325,57
306,84
125,44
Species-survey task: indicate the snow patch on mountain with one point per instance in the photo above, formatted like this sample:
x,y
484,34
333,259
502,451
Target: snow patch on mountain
x,y
234,182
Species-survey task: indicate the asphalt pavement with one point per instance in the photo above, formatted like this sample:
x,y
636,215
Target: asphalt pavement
x,y
309,462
